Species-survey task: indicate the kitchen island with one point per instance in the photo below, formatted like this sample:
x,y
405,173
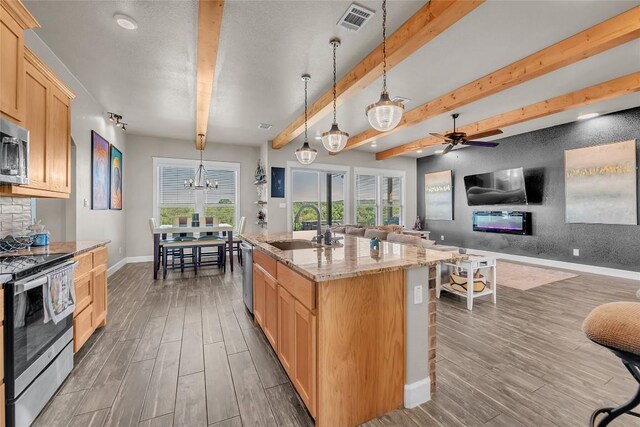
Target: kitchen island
x,y
354,328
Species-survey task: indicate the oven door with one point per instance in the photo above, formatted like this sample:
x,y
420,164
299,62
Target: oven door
x,y
32,343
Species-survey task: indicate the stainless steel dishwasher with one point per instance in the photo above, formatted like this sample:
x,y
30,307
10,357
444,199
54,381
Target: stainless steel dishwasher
x,y
247,275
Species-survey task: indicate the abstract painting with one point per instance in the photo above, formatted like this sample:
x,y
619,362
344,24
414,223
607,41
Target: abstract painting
x,y
277,182
438,195
601,184
99,172
115,199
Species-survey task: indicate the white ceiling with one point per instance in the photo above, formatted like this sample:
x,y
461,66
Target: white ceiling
x,y
148,75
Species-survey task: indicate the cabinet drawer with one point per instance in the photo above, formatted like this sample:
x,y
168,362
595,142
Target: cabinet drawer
x,y
85,264
100,256
82,328
84,292
267,263
1,305
302,289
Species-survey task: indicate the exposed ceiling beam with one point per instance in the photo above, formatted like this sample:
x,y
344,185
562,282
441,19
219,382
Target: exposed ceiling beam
x,y
599,38
209,23
613,88
426,24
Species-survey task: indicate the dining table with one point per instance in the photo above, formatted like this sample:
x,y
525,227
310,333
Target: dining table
x,y
161,230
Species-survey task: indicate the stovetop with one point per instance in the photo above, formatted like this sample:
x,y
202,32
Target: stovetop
x,y
19,266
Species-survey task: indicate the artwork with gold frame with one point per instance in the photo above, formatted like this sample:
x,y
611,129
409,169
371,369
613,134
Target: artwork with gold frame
x,y
601,184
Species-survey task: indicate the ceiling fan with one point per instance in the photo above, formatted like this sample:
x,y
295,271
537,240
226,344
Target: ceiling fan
x,y
454,138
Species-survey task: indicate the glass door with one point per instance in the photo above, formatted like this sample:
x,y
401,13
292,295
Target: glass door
x,y
325,190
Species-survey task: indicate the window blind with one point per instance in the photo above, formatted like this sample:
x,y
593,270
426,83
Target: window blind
x,y
172,192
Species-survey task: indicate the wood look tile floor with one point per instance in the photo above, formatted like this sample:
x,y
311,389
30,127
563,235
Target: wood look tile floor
x,y
184,352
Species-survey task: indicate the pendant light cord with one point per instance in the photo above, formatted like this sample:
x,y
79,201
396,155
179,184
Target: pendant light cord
x,y
305,110
335,45
384,45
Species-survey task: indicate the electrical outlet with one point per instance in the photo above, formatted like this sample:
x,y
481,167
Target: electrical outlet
x,y
442,237
417,294
86,203
576,252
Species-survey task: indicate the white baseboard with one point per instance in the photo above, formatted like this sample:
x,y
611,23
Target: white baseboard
x,y
612,272
136,259
417,393
117,266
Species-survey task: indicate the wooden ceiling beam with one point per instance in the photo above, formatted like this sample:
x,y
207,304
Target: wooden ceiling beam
x,y
209,23
426,24
613,88
599,38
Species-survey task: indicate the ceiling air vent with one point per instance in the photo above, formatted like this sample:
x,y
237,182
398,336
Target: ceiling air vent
x,y
264,126
400,99
355,17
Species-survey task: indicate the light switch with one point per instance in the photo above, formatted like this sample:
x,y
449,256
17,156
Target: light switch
x,y
417,294
576,252
86,203
283,205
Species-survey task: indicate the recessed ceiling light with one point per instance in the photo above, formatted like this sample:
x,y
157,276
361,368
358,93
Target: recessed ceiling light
x,y
317,137
126,22
439,151
588,116
419,151
374,144
265,126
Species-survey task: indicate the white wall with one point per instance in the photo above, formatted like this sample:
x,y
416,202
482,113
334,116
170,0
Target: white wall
x,y
86,115
277,216
138,183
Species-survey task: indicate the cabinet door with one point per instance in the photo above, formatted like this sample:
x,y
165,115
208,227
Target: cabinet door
x,y
99,295
286,313
258,294
37,96
59,141
83,327
304,365
11,67
84,292
270,326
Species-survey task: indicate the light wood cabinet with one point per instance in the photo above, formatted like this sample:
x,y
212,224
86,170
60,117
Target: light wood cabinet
x,y
99,283
91,295
305,355
286,313
270,325
258,294
48,119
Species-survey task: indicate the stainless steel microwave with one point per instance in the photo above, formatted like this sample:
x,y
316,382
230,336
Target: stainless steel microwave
x,y
14,153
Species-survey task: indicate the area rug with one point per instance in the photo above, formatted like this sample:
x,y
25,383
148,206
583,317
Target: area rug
x,y
525,277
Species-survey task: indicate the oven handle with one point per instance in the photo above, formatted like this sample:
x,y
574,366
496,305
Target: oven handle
x,y
43,277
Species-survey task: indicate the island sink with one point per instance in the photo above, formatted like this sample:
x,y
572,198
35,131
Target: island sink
x,y
291,245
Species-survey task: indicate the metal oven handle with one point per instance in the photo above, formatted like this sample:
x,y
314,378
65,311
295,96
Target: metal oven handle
x,y
42,278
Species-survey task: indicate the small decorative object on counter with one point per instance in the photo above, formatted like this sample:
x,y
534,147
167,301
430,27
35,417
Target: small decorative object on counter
x,y
374,244
418,224
327,237
39,234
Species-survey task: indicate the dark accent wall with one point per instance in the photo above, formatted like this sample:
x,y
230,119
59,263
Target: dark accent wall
x,y
542,152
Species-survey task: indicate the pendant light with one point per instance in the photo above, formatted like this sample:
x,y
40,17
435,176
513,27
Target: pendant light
x,y
200,181
334,140
305,154
385,114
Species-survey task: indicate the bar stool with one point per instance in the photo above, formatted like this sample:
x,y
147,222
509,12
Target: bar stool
x,y
616,326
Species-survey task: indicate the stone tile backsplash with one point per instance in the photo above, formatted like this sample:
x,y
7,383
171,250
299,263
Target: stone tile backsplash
x,y
15,215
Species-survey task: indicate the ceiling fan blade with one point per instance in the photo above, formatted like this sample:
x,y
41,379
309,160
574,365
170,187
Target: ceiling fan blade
x,y
447,149
437,135
481,143
486,134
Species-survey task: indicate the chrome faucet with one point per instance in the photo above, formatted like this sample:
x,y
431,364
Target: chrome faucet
x,y
319,225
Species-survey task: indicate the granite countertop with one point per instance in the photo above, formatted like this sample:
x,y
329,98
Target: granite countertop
x,y
352,257
75,247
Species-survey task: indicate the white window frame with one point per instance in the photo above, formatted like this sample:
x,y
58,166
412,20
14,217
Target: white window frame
x,y
200,199
316,167
380,174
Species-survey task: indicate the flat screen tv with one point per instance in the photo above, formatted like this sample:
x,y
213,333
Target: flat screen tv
x,y
502,222
504,187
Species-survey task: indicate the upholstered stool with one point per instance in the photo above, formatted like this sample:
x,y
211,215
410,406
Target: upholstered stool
x,y
616,326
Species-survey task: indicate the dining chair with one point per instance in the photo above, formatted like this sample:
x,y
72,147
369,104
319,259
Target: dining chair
x,y
237,231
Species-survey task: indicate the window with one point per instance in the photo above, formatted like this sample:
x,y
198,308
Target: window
x,y
379,197
323,189
172,200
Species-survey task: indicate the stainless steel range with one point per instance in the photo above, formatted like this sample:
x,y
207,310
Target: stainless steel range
x,y
38,351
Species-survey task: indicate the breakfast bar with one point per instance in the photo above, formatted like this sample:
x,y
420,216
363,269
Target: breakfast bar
x,y
354,327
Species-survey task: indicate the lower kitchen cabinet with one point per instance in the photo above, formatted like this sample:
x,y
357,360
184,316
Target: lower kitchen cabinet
x,y
91,295
258,294
270,325
305,355
286,313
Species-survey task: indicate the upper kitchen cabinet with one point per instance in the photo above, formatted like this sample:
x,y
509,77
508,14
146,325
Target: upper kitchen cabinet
x,y
48,119
14,19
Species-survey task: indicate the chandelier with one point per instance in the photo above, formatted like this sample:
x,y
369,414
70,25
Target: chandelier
x,y
200,180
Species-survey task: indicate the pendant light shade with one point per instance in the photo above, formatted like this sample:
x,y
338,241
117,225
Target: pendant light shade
x,y
385,114
305,154
334,140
